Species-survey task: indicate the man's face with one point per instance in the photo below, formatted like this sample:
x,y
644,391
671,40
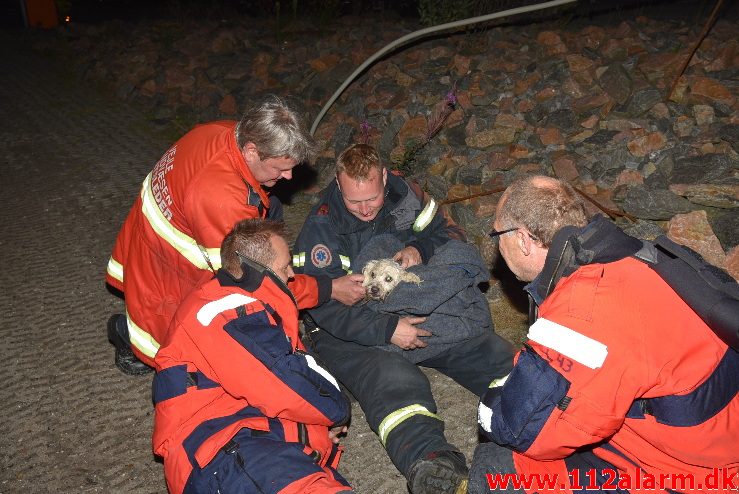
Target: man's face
x,y
282,263
364,198
270,170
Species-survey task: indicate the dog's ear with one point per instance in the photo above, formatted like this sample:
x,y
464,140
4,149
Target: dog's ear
x,y
410,277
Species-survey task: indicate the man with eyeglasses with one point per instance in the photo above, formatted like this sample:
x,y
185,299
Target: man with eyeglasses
x,y
619,378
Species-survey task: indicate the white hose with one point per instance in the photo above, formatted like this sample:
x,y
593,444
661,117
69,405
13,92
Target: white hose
x,y
423,32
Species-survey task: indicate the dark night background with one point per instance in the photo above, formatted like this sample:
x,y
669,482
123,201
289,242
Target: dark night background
x,y
91,11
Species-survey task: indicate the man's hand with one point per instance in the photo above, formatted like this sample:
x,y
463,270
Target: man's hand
x,y
333,434
406,334
348,289
407,257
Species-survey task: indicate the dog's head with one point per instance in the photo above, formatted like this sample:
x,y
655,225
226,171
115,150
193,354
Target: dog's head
x,y
382,275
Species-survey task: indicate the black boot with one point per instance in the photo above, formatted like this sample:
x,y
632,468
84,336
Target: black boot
x,y
439,472
125,359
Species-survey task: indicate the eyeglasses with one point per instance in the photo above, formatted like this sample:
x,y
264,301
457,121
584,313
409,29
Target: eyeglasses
x,y
496,233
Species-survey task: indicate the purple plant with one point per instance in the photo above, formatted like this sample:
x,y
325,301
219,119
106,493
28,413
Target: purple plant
x,y
365,130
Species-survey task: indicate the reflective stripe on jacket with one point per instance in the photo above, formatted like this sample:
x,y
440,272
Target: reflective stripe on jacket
x,y
170,241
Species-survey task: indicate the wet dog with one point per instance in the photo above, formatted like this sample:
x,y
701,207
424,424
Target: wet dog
x,y
382,276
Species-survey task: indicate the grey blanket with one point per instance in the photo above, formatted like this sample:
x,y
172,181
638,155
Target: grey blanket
x,y
448,296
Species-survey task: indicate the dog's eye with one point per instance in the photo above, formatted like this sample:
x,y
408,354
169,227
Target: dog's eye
x,y
372,275
388,279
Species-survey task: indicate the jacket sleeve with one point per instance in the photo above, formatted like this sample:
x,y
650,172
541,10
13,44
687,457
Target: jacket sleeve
x,y
553,403
318,253
252,359
432,227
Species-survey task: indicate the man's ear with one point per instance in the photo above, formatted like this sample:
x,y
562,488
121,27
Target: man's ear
x,y
384,176
250,151
523,241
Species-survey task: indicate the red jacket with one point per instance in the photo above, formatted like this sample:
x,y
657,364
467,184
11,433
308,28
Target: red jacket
x,y
172,236
233,359
617,362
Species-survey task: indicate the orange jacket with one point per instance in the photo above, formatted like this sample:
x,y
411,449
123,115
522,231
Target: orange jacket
x,y
171,238
615,333
233,359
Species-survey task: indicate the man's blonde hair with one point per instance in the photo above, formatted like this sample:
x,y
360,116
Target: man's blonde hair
x,y
542,205
357,161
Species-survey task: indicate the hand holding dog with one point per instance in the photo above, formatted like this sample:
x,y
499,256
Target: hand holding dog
x,y
348,289
407,335
407,257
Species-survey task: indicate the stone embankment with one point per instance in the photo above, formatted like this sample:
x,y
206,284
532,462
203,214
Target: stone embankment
x,y
587,104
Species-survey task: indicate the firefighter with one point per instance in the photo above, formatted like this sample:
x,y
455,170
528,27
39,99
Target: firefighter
x,y
240,406
620,379
212,177
365,201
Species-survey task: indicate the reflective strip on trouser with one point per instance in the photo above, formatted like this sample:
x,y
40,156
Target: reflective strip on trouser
x,y
346,263
142,340
425,217
182,243
115,269
398,417
299,260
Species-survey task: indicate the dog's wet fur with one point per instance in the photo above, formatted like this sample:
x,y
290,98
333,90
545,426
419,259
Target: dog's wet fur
x,y
382,276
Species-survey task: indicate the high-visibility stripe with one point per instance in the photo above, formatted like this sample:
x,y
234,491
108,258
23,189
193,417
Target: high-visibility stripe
x,y
500,381
320,370
423,219
578,347
209,311
299,260
141,339
484,416
181,242
346,263
115,269
399,416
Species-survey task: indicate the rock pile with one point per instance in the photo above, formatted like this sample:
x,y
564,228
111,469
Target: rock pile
x,y
588,105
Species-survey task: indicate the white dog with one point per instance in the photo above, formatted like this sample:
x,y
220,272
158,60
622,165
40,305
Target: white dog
x,y
382,275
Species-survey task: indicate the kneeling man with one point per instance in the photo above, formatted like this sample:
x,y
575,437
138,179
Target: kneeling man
x,y
240,406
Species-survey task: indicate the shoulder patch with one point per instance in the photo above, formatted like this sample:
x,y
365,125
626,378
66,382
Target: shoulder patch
x,y
323,210
320,256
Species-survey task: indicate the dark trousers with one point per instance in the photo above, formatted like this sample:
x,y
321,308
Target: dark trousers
x,y
387,385
253,462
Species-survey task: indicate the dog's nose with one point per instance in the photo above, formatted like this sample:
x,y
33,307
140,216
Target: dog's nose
x,y
374,290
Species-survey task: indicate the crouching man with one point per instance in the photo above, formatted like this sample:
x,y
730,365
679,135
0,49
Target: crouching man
x,y
621,386
239,405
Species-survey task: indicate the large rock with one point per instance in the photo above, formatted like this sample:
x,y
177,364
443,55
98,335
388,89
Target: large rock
x,y
715,168
719,196
694,231
654,204
616,82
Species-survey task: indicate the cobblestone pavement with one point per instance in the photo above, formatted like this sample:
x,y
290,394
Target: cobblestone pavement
x,y
72,161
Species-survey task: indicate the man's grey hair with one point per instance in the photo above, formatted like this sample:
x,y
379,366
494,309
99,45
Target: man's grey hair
x,y
276,130
250,239
542,205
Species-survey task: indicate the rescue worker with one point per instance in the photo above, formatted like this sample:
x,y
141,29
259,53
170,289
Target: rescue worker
x,y
395,395
239,405
619,379
212,177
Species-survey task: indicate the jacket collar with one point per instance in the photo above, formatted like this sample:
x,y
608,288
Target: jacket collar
x,y
599,242
243,168
254,276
